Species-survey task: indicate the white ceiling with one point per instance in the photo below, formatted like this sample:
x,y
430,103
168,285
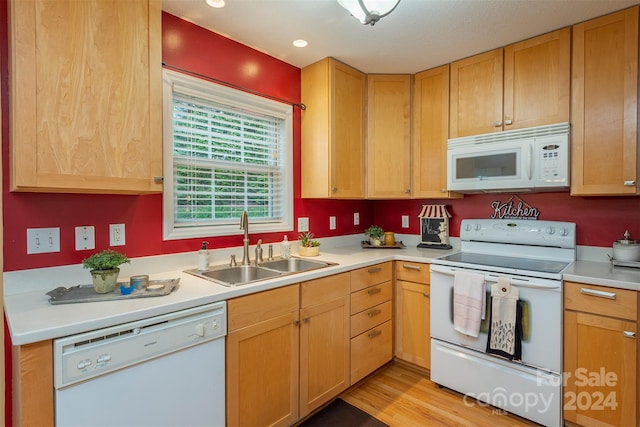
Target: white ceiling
x,y
418,35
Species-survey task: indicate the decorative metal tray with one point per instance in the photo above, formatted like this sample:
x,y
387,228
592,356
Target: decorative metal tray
x,y
86,293
634,264
367,245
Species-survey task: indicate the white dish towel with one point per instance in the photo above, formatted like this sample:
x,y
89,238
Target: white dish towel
x,y
469,301
505,329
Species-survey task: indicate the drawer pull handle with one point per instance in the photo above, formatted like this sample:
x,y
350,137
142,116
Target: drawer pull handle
x,y
374,270
374,334
596,293
374,291
629,183
296,322
374,312
427,294
306,319
411,267
629,334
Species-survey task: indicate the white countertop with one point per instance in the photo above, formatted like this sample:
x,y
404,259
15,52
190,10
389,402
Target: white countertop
x,y
32,318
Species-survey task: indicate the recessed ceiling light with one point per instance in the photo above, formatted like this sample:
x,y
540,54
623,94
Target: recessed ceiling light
x,y
300,43
215,3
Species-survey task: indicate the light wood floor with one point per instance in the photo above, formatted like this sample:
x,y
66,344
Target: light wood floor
x,y
403,397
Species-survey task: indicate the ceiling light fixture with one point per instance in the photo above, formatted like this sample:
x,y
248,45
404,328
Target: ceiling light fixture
x,y
300,43
215,3
369,11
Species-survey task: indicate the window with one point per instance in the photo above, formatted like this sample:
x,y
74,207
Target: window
x,y
225,151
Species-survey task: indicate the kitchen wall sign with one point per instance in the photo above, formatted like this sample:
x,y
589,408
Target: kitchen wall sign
x,y
514,208
434,225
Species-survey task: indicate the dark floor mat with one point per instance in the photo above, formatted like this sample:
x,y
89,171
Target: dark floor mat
x,y
340,414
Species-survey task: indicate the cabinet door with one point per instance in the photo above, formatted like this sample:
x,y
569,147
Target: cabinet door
x,y
324,353
333,130
86,105
389,136
600,364
262,373
537,79
412,326
604,111
430,134
476,95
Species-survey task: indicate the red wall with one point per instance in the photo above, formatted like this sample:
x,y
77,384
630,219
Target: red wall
x,y
189,47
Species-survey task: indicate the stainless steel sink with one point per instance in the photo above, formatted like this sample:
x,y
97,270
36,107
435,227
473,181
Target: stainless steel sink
x,y
244,274
294,265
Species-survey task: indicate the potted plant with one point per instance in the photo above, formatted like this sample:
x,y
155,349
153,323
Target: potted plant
x,y
104,269
375,234
308,246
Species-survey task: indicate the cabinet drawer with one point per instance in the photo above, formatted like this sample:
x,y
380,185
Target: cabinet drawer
x,y
370,296
367,276
412,272
370,350
620,303
255,308
371,317
325,289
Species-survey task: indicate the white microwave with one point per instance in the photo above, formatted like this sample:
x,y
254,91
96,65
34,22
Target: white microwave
x,y
533,159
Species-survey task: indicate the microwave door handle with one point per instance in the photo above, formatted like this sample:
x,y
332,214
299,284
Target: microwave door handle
x,y
529,161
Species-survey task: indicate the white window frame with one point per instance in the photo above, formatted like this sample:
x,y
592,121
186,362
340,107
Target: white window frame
x,y
234,98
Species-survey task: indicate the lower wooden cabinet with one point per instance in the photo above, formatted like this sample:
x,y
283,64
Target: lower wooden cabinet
x,y
287,351
412,327
371,319
600,355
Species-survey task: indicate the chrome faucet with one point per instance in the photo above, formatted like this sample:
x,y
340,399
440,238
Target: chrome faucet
x,y
244,225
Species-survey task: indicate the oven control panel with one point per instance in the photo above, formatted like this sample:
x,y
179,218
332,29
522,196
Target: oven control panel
x,y
525,232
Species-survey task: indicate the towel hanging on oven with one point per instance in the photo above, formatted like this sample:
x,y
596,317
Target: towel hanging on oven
x,y
505,323
469,302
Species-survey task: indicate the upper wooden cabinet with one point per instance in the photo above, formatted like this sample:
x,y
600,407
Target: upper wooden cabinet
x,y
389,136
604,110
333,130
430,133
523,85
86,101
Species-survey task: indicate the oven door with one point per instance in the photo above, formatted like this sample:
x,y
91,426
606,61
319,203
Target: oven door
x,y
542,324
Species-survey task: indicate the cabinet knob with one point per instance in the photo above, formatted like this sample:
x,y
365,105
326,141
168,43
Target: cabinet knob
x,y
629,183
427,294
306,319
407,191
158,179
497,123
334,189
508,122
629,334
296,322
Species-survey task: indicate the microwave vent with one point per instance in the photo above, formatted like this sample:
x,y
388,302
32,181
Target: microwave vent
x,y
512,135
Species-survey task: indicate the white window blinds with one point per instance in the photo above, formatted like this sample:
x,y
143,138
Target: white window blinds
x,y
230,152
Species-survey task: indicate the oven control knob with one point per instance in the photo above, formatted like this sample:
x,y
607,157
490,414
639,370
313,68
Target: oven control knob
x,y
468,227
564,231
550,230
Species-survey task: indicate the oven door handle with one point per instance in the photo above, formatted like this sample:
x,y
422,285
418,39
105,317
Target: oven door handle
x,y
493,278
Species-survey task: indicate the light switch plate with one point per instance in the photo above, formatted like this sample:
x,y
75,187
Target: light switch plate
x,y
85,238
43,240
303,224
405,221
332,223
356,218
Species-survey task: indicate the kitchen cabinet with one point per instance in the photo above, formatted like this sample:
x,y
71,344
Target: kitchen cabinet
x,y
86,102
604,108
32,384
430,134
600,355
333,130
324,340
262,358
412,328
523,85
292,342
388,144
371,319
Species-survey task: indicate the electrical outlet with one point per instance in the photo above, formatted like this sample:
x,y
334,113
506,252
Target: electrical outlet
x,y
116,235
85,238
43,240
356,218
303,224
332,223
405,221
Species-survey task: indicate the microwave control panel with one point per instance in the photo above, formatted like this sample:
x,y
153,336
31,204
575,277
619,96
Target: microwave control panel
x,y
552,159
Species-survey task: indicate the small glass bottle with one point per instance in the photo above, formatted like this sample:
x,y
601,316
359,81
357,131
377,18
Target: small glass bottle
x,y
285,248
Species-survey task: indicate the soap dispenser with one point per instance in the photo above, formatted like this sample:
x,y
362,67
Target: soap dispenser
x,y
203,257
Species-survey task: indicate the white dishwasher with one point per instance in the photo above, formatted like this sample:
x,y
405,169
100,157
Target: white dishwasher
x,y
166,370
